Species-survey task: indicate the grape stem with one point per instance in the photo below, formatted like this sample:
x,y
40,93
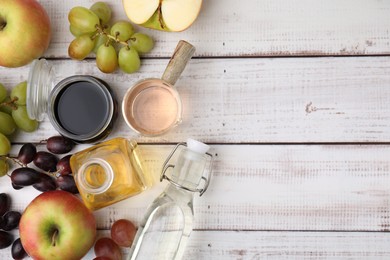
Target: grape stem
x,y
15,160
44,141
11,103
100,31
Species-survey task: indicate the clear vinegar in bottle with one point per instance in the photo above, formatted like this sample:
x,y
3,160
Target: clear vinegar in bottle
x,y
167,225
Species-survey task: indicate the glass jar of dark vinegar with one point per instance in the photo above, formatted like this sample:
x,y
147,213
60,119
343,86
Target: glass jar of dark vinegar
x,y
82,108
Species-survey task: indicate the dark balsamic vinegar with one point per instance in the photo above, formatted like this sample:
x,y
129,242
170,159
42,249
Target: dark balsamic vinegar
x,y
82,108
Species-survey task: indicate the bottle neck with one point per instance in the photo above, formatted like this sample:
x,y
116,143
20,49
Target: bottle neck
x,y
189,169
95,176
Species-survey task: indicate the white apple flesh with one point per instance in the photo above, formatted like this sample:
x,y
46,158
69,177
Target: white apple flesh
x,y
24,32
166,15
57,225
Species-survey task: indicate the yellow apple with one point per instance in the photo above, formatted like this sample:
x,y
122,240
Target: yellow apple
x,y
57,225
24,32
165,15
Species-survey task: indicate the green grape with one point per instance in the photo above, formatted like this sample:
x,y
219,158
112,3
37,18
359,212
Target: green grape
x,y
7,124
102,10
4,167
3,93
6,108
22,120
80,47
129,60
100,39
141,42
123,30
19,92
83,19
76,32
5,145
106,58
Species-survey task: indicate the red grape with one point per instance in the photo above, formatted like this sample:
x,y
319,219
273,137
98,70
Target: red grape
x,y
24,176
6,239
107,247
63,165
4,203
45,183
46,161
123,232
17,250
59,144
67,183
27,153
10,220
16,187
102,258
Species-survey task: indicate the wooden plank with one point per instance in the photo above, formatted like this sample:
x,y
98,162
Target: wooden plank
x,y
276,245
283,245
258,100
259,27
272,187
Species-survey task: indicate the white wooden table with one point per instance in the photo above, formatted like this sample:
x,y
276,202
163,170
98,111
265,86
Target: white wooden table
x,y
294,98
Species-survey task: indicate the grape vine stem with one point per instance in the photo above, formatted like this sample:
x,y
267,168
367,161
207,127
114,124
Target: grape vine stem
x,y
10,103
101,31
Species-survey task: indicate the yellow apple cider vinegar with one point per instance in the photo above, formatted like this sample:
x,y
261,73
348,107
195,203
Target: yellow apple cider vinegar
x,y
109,172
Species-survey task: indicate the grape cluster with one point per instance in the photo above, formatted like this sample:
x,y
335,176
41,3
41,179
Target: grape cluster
x,y
9,220
122,235
13,115
94,34
49,172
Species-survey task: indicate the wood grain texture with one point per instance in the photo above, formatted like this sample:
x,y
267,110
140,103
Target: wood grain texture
x,y
259,28
272,187
239,245
279,191
256,245
258,100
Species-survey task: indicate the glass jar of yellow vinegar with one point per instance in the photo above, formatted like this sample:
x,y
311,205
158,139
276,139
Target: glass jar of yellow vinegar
x,y
109,172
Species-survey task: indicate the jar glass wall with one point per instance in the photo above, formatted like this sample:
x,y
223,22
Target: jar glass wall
x,y
81,107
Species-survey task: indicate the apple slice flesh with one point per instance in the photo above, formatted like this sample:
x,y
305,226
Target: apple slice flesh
x,y
178,15
166,15
140,11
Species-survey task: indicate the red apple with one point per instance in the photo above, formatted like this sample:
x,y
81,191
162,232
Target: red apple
x,y
24,32
57,225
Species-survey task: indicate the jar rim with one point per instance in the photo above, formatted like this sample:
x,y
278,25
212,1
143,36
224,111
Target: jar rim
x,y
63,84
39,84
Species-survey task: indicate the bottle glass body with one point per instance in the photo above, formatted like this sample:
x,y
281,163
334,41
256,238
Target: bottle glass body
x,y
167,225
109,172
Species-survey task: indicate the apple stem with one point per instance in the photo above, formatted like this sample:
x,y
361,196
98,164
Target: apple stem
x,y
54,237
3,24
160,15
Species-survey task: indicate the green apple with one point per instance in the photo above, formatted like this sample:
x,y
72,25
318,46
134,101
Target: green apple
x,y
165,15
24,32
57,225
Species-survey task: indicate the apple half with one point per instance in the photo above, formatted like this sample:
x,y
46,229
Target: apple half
x,y
164,15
